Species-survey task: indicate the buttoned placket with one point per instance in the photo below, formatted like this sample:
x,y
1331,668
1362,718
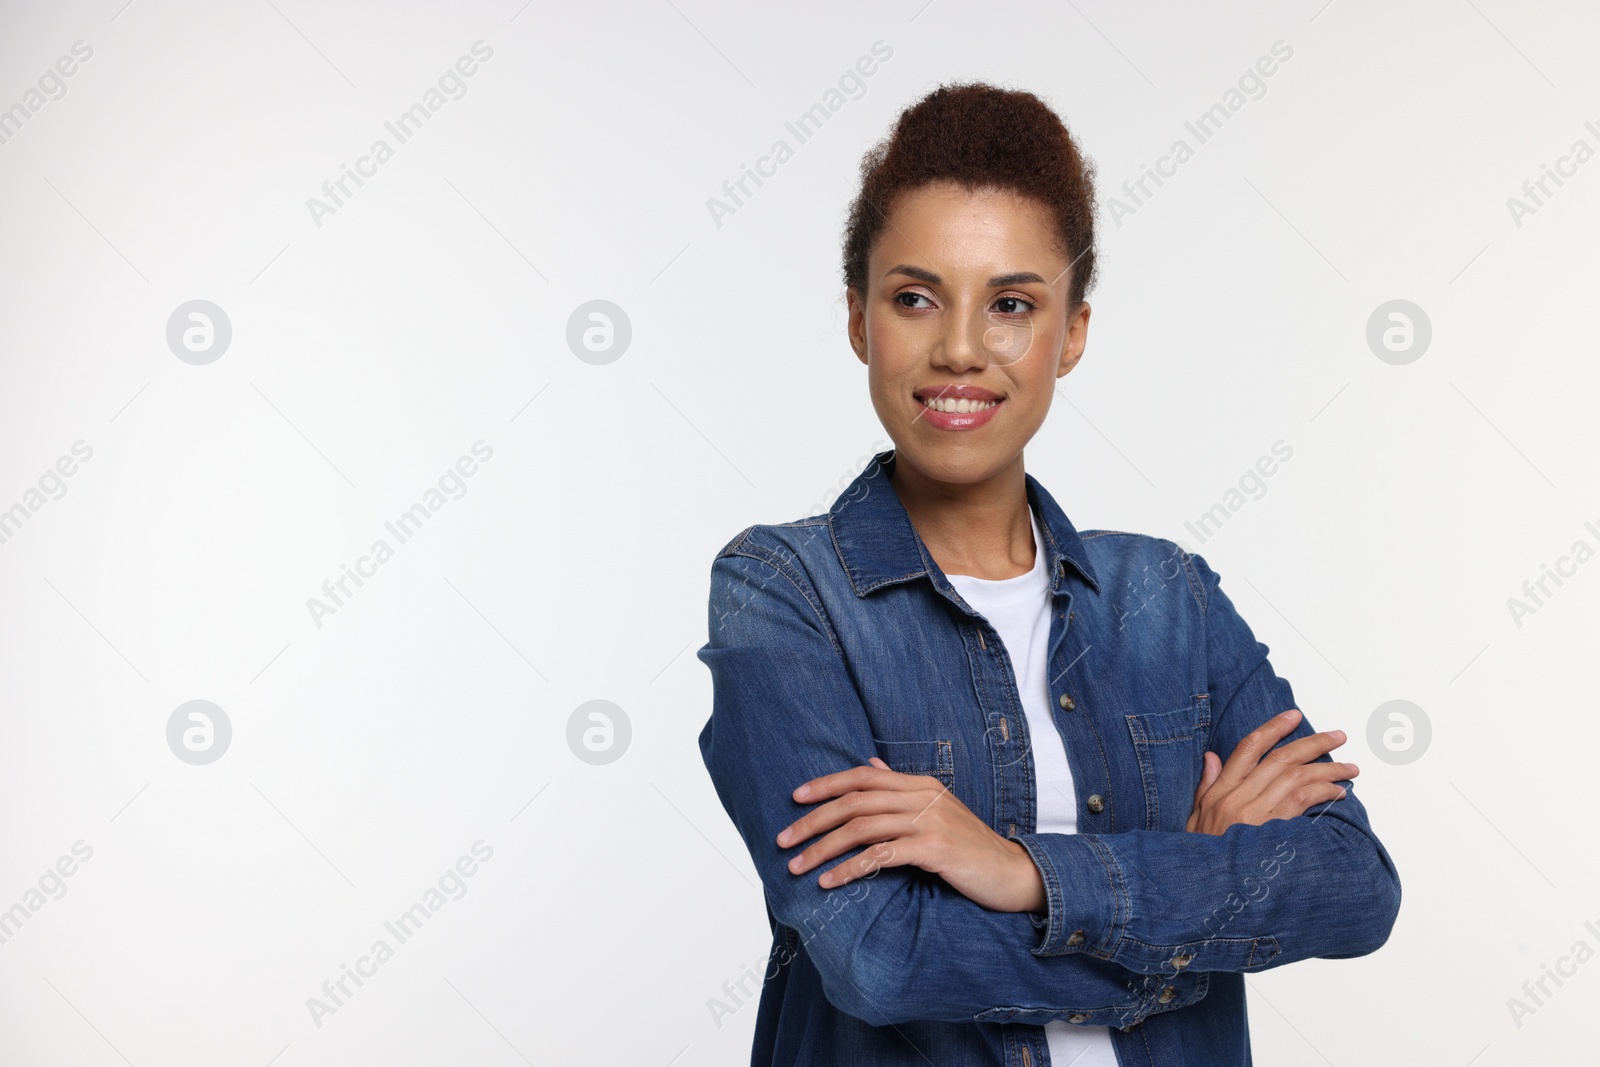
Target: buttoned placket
x,y
1074,726
1016,804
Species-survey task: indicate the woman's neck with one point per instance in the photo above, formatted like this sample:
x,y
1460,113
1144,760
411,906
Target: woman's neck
x,y
983,529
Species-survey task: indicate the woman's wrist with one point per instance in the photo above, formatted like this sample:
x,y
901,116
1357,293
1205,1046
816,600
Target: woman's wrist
x,y
1029,882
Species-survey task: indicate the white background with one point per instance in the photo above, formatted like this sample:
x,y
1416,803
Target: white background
x,y
430,312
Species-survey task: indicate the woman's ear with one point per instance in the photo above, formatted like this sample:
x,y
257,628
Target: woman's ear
x,y
857,323
1077,340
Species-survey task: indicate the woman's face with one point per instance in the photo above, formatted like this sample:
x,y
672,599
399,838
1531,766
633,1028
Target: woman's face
x,y
966,303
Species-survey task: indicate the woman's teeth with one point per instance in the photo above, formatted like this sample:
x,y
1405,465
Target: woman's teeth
x,y
956,407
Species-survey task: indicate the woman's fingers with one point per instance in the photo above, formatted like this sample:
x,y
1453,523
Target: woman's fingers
x,y
1302,750
874,805
1303,787
1210,771
1208,774
1254,745
871,860
1279,761
1262,779
825,817
860,830
862,776
916,793
1304,798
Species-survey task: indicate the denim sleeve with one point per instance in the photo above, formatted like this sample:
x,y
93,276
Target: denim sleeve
x,y
901,944
1253,897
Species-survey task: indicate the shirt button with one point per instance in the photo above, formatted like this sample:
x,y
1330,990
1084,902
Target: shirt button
x,y
1096,804
1168,994
1181,960
1067,702
1077,1017
1076,938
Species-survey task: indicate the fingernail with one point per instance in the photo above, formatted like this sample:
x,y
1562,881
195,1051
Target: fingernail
x,y
803,792
1340,734
1288,714
783,838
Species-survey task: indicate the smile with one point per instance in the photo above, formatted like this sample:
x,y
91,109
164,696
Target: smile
x,y
957,407
956,413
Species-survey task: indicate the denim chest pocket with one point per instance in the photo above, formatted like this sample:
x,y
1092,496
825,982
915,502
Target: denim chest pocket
x,y
1170,747
935,759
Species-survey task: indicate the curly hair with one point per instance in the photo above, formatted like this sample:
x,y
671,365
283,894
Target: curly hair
x,y
978,135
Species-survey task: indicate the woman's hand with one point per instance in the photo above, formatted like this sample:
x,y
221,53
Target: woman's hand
x,y
1253,788
914,820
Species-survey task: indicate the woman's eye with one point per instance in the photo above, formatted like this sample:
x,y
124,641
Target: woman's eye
x,y
902,297
1019,305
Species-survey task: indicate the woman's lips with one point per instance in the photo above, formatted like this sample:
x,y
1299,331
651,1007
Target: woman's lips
x,y
957,420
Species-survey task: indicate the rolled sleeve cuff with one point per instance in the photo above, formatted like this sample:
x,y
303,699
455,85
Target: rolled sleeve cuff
x,y
1085,895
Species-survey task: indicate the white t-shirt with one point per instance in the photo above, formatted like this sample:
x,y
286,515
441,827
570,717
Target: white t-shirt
x,y
1019,608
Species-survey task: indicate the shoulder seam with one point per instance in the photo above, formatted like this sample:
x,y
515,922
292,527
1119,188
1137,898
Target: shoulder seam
x,y
734,542
742,546
1090,535
1197,585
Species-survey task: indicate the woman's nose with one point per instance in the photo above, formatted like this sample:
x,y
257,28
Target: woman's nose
x,y
983,336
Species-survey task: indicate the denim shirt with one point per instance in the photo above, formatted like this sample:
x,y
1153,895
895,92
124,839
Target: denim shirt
x,y
837,637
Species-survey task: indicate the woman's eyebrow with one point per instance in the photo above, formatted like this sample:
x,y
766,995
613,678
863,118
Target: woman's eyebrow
x,y
1015,278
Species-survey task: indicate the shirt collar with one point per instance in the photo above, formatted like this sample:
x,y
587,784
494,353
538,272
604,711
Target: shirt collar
x,y
878,546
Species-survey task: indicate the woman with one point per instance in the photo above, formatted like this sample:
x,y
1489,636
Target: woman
x,y
974,753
